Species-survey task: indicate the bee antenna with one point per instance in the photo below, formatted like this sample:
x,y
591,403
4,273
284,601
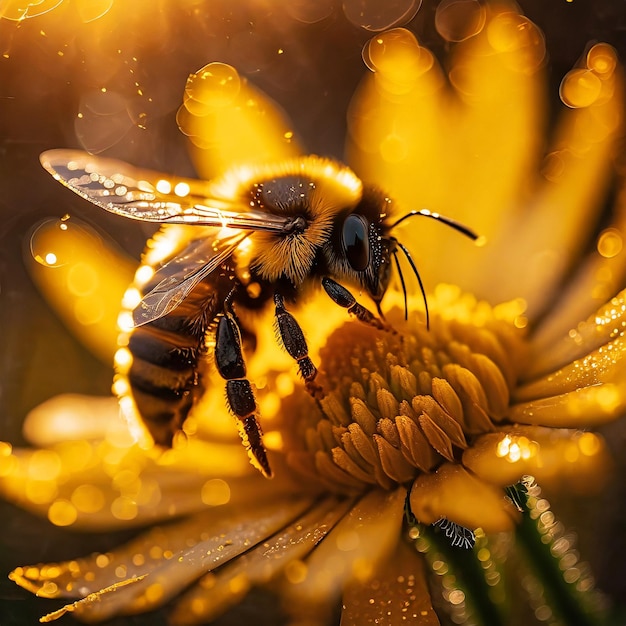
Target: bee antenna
x,y
406,305
419,280
464,230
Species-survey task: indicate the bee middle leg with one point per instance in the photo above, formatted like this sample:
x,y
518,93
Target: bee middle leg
x,y
293,339
232,368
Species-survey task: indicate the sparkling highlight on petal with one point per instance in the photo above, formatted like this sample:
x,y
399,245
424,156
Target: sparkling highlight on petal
x,y
557,458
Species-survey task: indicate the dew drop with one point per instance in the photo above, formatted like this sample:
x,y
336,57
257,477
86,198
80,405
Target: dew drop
x,y
602,59
377,16
553,166
610,243
580,88
398,56
513,33
457,20
51,242
103,120
215,85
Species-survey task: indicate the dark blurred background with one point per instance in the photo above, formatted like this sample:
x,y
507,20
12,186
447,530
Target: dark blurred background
x,y
44,74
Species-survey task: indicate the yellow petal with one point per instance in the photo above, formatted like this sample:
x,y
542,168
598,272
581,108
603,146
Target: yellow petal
x,y
83,277
588,390
412,137
588,406
71,417
111,484
557,458
584,337
397,594
229,122
349,552
601,275
452,492
217,591
547,231
167,558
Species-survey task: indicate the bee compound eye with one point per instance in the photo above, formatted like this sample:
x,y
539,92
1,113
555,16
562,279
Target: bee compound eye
x,y
355,242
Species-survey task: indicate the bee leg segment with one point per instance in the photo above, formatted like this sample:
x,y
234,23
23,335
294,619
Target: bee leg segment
x,y
232,368
341,296
293,339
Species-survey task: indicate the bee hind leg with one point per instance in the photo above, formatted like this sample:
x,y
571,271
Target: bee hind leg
x,y
294,342
232,368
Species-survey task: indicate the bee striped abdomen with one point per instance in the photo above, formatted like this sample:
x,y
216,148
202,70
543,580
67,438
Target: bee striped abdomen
x,y
163,376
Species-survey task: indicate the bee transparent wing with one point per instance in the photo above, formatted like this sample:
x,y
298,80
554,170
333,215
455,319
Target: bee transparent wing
x,y
178,277
151,196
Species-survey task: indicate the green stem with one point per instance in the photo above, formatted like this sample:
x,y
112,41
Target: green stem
x,y
563,597
464,564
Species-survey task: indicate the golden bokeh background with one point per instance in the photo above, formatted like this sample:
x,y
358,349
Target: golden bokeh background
x,y
109,75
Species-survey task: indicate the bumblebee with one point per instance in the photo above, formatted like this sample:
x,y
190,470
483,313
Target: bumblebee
x,y
258,235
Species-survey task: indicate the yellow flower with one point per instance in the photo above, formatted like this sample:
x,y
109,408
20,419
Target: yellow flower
x,y
432,426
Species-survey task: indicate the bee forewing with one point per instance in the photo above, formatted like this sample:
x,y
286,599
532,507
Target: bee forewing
x,y
150,196
179,276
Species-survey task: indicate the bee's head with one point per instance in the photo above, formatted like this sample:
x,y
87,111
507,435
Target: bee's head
x,y
368,246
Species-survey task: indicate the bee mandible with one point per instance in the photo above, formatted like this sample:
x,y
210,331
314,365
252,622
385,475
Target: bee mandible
x,y
257,235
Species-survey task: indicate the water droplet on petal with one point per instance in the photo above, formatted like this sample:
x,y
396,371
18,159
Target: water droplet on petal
x,y
457,20
215,85
610,243
580,88
602,59
47,245
398,59
553,166
514,33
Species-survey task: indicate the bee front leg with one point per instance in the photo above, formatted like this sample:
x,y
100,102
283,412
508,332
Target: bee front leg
x,y
293,339
232,368
341,296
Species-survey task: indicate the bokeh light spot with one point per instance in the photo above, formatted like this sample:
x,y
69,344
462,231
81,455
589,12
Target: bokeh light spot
x,y
377,16
62,513
457,20
82,279
610,243
124,508
215,492
88,498
511,32
602,59
215,85
580,88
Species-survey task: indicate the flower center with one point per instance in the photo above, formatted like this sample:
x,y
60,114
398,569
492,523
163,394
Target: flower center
x,y
401,403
